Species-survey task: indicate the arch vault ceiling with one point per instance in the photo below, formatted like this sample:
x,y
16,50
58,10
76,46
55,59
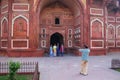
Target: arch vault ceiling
x,y
73,5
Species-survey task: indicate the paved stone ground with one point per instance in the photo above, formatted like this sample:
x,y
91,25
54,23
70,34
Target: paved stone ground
x,y
68,67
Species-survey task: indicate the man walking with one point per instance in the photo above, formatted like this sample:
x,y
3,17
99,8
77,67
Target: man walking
x,y
84,64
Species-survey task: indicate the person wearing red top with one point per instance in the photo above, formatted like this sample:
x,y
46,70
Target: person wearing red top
x,y
62,50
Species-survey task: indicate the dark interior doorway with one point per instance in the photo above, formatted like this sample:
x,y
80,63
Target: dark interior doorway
x,y
56,38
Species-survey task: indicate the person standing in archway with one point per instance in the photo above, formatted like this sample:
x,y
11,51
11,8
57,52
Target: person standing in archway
x,y
58,49
51,51
55,50
84,64
62,49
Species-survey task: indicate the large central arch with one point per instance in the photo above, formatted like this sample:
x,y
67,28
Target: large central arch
x,y
76,7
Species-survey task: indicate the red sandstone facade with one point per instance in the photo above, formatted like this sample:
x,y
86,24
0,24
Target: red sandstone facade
x,y
29,27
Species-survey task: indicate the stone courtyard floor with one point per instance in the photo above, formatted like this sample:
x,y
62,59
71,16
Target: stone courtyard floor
x,y
68,67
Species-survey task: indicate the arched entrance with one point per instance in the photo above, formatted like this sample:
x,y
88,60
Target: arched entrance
x,y
56,38
58,17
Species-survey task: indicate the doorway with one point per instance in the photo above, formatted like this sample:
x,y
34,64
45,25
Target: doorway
x,y
56,38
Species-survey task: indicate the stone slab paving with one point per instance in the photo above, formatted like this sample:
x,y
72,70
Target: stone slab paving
x,y
68,67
